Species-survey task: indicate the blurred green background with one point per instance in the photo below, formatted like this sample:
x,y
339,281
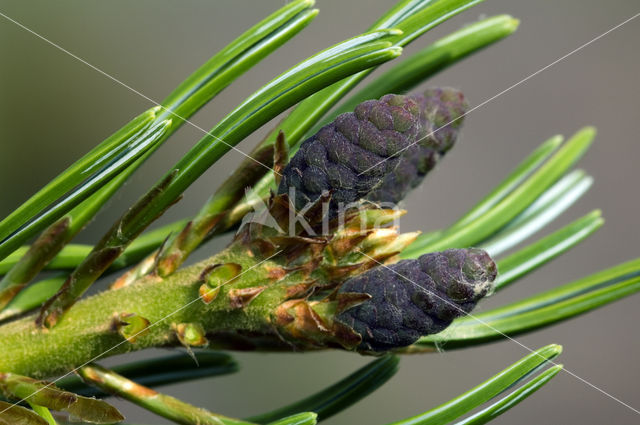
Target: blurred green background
x,y
53,108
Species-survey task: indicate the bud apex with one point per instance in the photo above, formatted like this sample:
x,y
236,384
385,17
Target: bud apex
x,y
418,297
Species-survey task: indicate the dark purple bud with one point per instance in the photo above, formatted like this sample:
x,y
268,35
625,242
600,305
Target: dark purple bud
x,y
413,298
352,155
442,111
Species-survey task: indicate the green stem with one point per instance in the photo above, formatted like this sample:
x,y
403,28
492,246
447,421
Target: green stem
x,y
90,330
247,296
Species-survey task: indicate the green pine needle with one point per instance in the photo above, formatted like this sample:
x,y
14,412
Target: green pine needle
x,y
511,205
340,395
484,392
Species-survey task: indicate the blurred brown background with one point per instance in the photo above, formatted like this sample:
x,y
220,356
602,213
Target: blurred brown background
x,y
53,109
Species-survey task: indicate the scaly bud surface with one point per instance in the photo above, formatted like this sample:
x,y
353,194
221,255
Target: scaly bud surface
x,y
441,117
418,297
351,156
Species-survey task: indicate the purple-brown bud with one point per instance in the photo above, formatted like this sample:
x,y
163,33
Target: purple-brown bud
x,y
351,156
442,112
413,298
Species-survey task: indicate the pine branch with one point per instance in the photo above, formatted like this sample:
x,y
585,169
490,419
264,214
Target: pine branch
x,y
319,71
249,296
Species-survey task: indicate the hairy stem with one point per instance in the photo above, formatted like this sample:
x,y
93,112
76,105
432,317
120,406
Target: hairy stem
x,y
90,330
